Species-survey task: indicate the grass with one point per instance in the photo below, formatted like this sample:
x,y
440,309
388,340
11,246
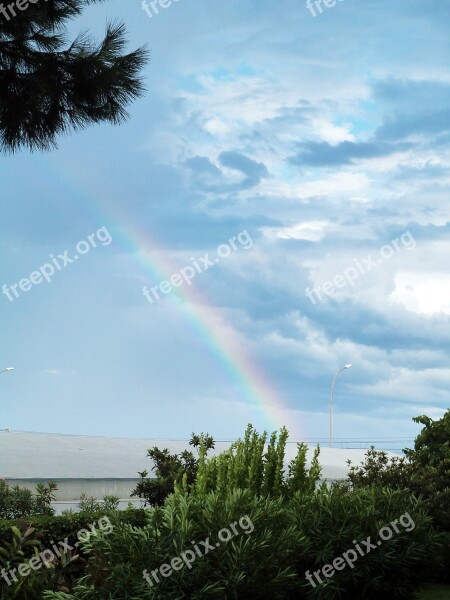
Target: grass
x,y
435,592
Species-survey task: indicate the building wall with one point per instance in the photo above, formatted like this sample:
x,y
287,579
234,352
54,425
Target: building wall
x,y
70,490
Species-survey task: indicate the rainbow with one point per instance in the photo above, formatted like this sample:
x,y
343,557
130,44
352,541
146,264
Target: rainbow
x,y
198,312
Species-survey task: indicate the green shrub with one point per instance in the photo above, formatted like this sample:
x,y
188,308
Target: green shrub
x,y
17,502
252,465
334,521
57,528
91,504
425,471
249,464
288,537
17,546
169,470
253,565
22,578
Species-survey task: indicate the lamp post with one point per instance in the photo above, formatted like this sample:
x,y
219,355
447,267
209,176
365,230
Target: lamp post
x,y
347,366
7,369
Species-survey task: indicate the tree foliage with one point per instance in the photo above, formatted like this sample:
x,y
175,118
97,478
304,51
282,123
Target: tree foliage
x,y
171,469
424,470
49,86
267,561
17,502
251,463
255,465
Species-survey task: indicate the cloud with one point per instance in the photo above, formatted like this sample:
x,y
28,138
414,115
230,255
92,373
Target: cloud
x,y
401,127
323,154
202,165
312,231
412,95
60,373
253,170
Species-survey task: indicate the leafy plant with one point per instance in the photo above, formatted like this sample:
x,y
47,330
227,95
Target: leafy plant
x,y
24,576
251,464
88,504
17,502
425,470
250,565
287,538
170,470
91,504
332,520
53,528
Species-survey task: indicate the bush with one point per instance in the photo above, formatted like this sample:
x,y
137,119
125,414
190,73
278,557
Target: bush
x,y
54,528
91,504
252,465
16,502
169,470
334,521
19,542
252,564
249,464
425,471
24,575
284,538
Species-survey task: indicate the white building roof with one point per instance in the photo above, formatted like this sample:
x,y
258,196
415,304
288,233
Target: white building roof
x,y
26,455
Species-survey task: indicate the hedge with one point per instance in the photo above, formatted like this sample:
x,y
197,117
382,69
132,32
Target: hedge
x,y
51,529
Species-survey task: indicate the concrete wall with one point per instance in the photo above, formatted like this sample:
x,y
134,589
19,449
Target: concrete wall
x,y
70,490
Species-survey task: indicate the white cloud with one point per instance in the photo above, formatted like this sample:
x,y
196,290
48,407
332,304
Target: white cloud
x,y
425,293
60,373
312,231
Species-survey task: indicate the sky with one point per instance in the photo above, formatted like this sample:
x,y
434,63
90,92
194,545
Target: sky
x,y
284,179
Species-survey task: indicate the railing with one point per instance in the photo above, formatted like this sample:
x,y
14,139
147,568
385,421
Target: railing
x,y
391,444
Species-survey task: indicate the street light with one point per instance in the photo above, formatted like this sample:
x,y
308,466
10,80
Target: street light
x,y
7,369
347,366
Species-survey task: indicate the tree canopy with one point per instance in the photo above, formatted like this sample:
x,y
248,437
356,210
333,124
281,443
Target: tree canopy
x,y
50,86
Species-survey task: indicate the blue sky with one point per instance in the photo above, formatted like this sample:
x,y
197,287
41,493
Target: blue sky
x,y
325,138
